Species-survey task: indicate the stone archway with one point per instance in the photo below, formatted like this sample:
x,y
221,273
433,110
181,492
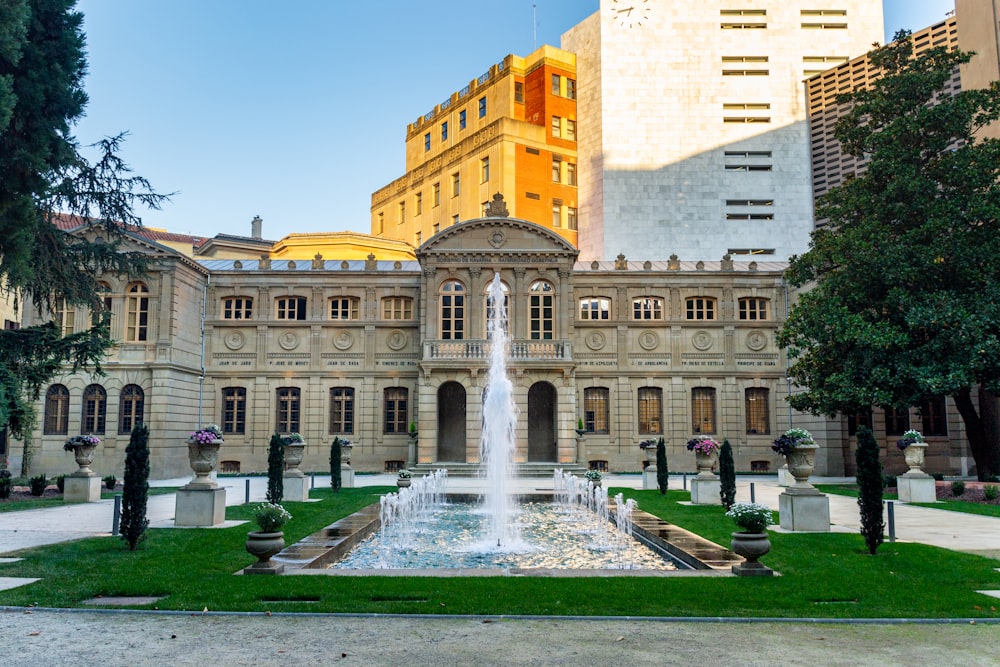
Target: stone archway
x,y
542,444
451,443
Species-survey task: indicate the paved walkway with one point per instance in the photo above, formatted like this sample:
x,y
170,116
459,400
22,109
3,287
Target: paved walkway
x,y
951,530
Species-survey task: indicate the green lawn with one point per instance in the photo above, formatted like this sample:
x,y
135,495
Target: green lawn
x,y
823,575
41,503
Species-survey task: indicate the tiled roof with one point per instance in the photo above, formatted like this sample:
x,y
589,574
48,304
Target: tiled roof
x,y
70,222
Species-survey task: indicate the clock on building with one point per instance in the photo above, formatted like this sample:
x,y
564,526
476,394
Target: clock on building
x,y
630,13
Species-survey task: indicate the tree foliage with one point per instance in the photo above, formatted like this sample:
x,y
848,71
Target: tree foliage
x,y
727,475
903,283
335,465
870,486
275,470
662,473
44,174
135,491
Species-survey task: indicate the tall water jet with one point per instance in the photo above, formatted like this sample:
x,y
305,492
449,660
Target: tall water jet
x,y
496,446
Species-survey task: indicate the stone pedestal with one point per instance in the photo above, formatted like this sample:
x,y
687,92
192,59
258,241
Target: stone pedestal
x,y
705,491
649,477
295,487
200,506
347,478
805,510
82,488
784,477
915,488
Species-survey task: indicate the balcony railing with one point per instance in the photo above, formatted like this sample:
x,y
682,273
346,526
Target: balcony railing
x,y
529,350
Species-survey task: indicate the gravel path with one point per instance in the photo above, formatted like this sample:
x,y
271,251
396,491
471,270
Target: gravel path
x,y
139,639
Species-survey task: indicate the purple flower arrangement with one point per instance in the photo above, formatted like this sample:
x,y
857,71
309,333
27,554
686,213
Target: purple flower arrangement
x,y
703,445
205,435
81,440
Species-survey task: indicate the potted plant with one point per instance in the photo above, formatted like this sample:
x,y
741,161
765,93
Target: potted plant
x,y
269,539
413,431
203,453
403,478
83,447
293,451
913,447
647,446
799,449
593,476
579,428
705,451
751,540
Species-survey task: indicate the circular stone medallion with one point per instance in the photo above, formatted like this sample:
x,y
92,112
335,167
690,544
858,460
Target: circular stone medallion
x,y
702,340
343,340
756,340
288,340
595,340
648,340
235,340
397,339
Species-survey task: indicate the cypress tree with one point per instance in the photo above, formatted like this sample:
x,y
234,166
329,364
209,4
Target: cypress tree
x,y
727,475
870,484
335,481
662,473
136,488
275,469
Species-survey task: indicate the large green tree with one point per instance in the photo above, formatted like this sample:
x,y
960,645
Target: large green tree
x,y
900,299
44,173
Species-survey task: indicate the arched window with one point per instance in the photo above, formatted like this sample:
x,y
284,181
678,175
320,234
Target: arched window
x,y
647,308
341,410
650,411
700,308
541,310
897,421
289,404
397,308
234,410
595,308
506,308
595,409
130,408
395,410
758,411
703,410
753,308
56,410
934,416
237,308
452,298
136,314
95,409
345,308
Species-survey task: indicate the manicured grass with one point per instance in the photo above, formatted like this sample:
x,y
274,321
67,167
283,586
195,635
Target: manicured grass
x,y
823,575
949,504
11,505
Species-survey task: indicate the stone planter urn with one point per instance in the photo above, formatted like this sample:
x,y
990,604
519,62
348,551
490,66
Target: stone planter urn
x,y
913,454
801,461
294,453
264,545
345,454
84,455
403,482
704,463
751,546
203,457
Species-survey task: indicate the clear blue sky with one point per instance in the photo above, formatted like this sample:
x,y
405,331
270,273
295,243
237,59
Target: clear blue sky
x,y
296,110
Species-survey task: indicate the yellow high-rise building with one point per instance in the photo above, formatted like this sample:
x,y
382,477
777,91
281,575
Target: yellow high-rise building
x,y
512,130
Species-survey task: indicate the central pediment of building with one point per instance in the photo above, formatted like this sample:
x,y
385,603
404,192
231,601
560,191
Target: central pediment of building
x,y
495,238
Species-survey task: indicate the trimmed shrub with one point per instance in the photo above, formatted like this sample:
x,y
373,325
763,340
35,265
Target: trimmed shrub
x,y
6,484
109,482
61,483
938,477
870,488
335,454
957,488
38,484
135,491
662,472
275,470
991,491
727,475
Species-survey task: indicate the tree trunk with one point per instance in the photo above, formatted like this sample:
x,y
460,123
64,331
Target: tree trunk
x,y
985,451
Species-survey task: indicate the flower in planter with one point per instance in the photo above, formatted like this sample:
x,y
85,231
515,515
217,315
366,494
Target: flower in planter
x,y
593,475
911,437
270,517
751,517
81,440
702,445
292,438
207,434
404,474
647,444
790,439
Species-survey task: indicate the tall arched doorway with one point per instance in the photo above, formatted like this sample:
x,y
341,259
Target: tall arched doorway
x,y
542,422
451,423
